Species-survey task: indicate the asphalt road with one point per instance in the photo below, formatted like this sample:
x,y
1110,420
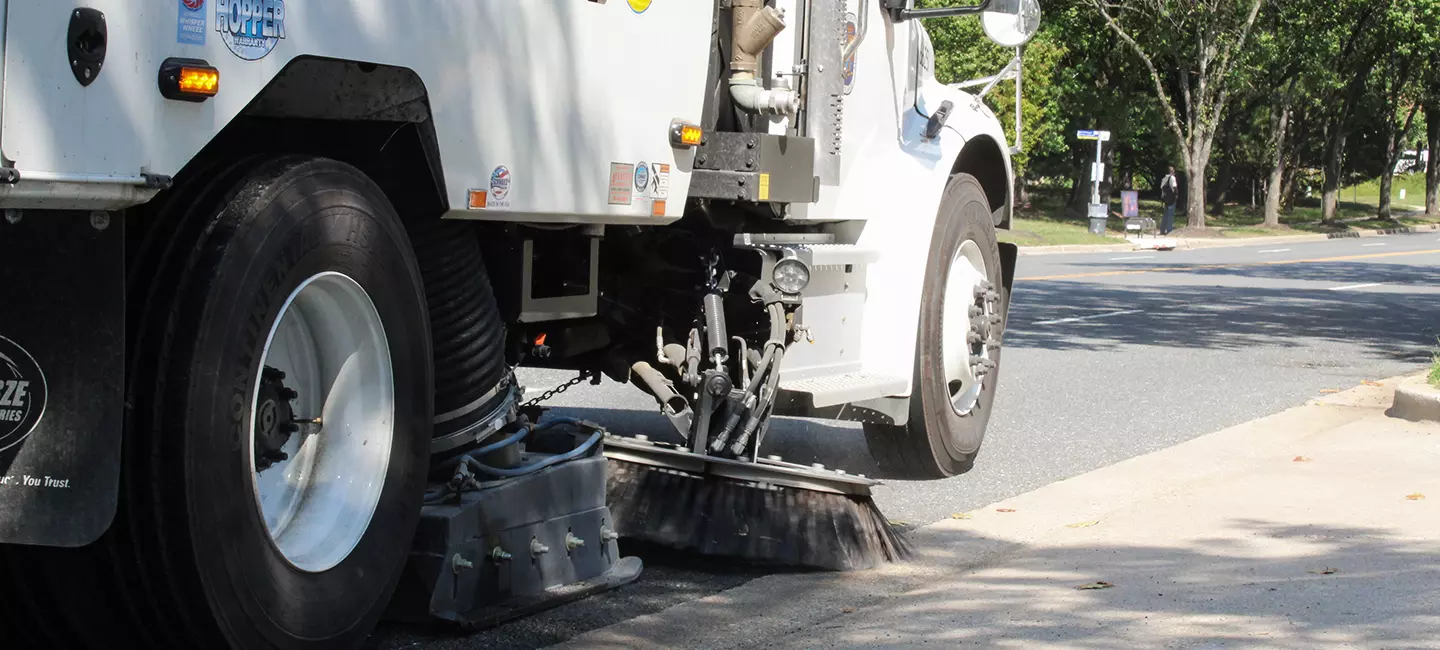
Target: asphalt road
x,y
1108,356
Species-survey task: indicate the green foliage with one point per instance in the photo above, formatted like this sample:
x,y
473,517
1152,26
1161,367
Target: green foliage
x,y
1350,71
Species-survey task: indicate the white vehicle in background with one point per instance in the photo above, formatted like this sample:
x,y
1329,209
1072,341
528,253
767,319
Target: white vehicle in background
x,y
269,266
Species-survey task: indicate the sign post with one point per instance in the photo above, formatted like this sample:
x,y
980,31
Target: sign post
x,y
1098,211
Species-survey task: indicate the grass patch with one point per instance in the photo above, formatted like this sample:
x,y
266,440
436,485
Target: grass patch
x,y
1369,191
1045,221
1053,232
1435,369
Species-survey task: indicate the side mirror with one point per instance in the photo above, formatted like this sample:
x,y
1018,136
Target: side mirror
x,y
1011,23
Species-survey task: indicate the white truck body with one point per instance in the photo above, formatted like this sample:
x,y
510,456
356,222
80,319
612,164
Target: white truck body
x,y
538,100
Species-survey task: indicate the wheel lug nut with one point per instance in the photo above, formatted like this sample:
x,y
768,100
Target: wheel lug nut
x,y
537,549
607,534
499,555
975,310
572,542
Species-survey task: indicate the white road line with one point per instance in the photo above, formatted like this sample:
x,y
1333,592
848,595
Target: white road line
x,y
1355,286
1369,245
1277,250
1135,257
1092,317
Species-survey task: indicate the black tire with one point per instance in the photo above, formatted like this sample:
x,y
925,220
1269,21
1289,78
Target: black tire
x,y
188,562
937,442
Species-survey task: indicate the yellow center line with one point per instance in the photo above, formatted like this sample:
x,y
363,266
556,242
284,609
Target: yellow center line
x,y
1164,269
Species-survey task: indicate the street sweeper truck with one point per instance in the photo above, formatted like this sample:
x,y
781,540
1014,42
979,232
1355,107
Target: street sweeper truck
x,y
268,269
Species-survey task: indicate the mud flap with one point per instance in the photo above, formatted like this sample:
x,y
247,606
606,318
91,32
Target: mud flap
x,y
62,353
1009,256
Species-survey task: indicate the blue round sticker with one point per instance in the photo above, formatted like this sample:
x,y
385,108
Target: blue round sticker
x,y
642,176
250,28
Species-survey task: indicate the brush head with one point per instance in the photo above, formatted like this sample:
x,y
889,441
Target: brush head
x,y
766,524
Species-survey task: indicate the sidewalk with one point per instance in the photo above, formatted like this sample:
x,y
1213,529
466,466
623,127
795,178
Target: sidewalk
x,y
1291,531
1182,243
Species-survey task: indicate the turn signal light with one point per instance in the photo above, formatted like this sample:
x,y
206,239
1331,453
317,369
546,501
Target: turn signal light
x,y
686,135
188,80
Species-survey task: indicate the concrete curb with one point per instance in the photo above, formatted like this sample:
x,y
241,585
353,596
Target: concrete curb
x,y
1189,244
1416,400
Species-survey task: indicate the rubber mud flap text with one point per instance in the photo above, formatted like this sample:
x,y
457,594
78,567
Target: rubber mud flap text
x,y
62,350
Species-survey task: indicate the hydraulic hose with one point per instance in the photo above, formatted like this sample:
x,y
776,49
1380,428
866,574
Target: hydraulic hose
x,y
577,452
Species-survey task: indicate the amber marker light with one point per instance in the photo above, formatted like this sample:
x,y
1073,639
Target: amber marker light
x,y
686,135
188,80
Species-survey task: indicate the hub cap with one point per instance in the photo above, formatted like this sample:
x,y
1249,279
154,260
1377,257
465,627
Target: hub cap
x,y
323,421
970,326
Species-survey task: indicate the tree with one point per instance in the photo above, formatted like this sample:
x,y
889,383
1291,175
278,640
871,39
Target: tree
x,y
1200,40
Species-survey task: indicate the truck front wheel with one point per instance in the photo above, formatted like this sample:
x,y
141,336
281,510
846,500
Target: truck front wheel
x,y
280,412
957,352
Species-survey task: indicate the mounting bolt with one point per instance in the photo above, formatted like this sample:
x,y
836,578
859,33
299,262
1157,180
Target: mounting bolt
x,y
817,465
750,144
702,158
608,534
12,216
499,555
536,548
775,457
458,563
99,220
572,542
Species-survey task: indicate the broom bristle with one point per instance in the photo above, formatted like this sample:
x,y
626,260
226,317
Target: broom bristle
x,y
765,524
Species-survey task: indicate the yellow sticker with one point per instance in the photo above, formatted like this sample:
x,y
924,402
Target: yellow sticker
x,y
639,6
764,187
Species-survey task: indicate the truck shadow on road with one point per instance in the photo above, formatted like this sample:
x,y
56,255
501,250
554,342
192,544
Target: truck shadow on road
x,y
1295,585
1286,585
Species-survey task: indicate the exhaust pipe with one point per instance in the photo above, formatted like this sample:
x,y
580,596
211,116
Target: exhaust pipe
x,y
754,27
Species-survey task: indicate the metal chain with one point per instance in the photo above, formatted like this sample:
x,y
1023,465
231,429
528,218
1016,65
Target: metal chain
x,y
557,390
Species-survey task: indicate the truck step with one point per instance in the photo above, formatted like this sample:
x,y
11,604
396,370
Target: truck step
x,y
842,389
841,255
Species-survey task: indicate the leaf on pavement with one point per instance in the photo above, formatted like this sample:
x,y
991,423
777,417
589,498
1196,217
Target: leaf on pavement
x,y
1329,391
847,610
1082,524
1415,497
1004,510
961,515
1368,382
1325,571
1302,459
1095,585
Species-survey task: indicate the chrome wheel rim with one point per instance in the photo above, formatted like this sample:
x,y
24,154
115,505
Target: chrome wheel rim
x,y
328,354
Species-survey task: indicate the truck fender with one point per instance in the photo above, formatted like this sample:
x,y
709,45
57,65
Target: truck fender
x,y
970,143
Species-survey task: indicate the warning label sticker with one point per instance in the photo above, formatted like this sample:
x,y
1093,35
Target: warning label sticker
x,y
660,181
622,183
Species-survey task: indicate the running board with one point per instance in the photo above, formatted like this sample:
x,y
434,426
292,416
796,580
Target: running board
x,y
847,388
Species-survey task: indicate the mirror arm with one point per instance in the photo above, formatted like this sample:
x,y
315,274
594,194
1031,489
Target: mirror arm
x,y
902,13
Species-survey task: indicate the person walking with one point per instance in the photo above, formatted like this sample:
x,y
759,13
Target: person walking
x,y
1169,194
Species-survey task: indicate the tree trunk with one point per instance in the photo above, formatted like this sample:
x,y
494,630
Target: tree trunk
x,y
1290,188
1274,188
1225,178
1392,155
1330,201
1195,167
1432,166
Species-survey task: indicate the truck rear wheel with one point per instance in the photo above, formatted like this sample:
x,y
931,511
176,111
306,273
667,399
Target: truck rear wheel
x,y
957,352
278,437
